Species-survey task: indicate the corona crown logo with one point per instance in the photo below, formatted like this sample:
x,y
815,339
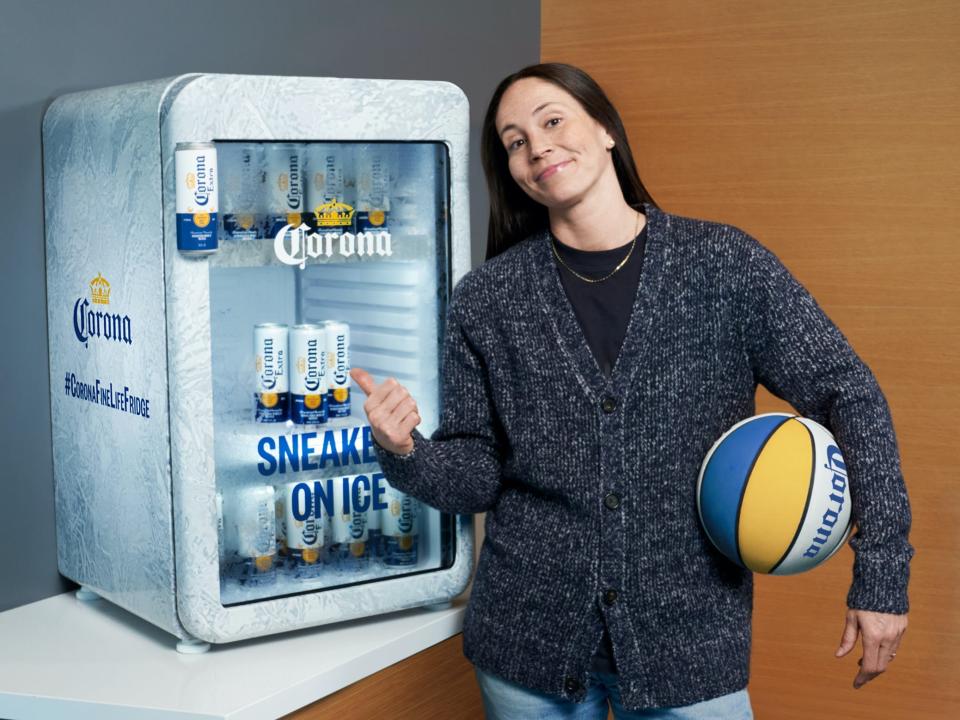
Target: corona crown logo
x,y
100,290
89,322
333,214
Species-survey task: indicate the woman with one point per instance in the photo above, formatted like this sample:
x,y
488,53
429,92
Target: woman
x,y
588,366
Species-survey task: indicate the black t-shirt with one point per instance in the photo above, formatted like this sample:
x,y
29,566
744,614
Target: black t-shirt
x,y
603,310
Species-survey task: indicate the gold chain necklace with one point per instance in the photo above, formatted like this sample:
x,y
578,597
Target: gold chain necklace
x,y
623,262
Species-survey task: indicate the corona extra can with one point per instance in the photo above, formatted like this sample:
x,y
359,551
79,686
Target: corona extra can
x,y
304,530
329,194
338,368
400,522
273,381
349,550
308,381
241,179
196,197
251,523
284,187
376,168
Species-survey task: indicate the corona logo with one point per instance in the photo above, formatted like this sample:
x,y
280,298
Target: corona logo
x,y
309,532
100,290
90,323
294,245
339,356
270,365
358,525
311,366
200,182
333,214
831,516
294,197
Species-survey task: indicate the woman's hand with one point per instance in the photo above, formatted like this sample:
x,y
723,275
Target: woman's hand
x,y
880,634
391,411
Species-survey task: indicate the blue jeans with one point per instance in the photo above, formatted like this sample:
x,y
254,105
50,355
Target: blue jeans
x,y
504,700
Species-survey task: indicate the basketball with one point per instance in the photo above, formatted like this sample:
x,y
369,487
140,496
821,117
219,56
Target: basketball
x,y
773,494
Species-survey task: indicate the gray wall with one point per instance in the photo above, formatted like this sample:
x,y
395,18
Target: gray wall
x,y
48,48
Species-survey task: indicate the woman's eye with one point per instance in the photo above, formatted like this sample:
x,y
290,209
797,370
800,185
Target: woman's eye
x,y
514,145
553,122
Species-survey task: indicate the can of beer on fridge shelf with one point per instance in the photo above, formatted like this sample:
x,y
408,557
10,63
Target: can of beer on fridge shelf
x,y
273,380
283,164
196,197
338,368
304,530
308,382
251,520
400,522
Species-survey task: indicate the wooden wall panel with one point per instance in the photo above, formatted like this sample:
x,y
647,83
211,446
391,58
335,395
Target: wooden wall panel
x,y
831,132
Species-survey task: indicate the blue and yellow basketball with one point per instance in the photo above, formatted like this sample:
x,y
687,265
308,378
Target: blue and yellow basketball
x,y
773,494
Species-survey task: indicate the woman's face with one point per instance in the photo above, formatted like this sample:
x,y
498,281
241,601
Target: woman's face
x,y
556,152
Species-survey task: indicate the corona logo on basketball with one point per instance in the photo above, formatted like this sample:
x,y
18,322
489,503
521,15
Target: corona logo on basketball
x,y
773,494
295,245
837,490
90,319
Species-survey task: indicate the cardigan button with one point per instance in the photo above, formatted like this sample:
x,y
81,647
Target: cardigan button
x,y
608,404
612,501
610,597
572,685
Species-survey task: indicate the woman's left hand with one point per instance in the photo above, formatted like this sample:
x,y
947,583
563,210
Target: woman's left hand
x,y
881,633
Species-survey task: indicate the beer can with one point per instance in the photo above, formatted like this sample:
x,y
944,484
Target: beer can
x,y
400,524
241,190
376,170
273,382
303,528
329,191
338,368
349,536
308,381
251,525
283,164
196,197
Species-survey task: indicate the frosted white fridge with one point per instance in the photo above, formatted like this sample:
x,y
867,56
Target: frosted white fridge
x,y
220,250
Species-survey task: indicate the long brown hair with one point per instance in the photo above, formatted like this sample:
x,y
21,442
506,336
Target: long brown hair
x,y
514,215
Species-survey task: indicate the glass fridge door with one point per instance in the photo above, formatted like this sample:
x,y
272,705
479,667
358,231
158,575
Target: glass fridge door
x,y
330,255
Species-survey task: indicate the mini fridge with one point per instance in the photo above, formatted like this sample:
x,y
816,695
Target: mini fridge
x,y
221,250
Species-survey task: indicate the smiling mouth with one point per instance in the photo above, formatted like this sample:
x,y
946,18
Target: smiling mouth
x,y
552,170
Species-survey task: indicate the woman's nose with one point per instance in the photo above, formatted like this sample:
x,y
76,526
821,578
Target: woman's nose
x,y
539,147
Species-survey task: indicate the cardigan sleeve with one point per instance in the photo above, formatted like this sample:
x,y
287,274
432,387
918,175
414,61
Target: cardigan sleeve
x,y
799,355
457,469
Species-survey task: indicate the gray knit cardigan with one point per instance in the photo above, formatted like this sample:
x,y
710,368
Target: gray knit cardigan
x,y
589,483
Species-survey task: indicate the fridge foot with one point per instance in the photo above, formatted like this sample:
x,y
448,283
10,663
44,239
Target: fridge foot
x,y
440,606
86,595
192,646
